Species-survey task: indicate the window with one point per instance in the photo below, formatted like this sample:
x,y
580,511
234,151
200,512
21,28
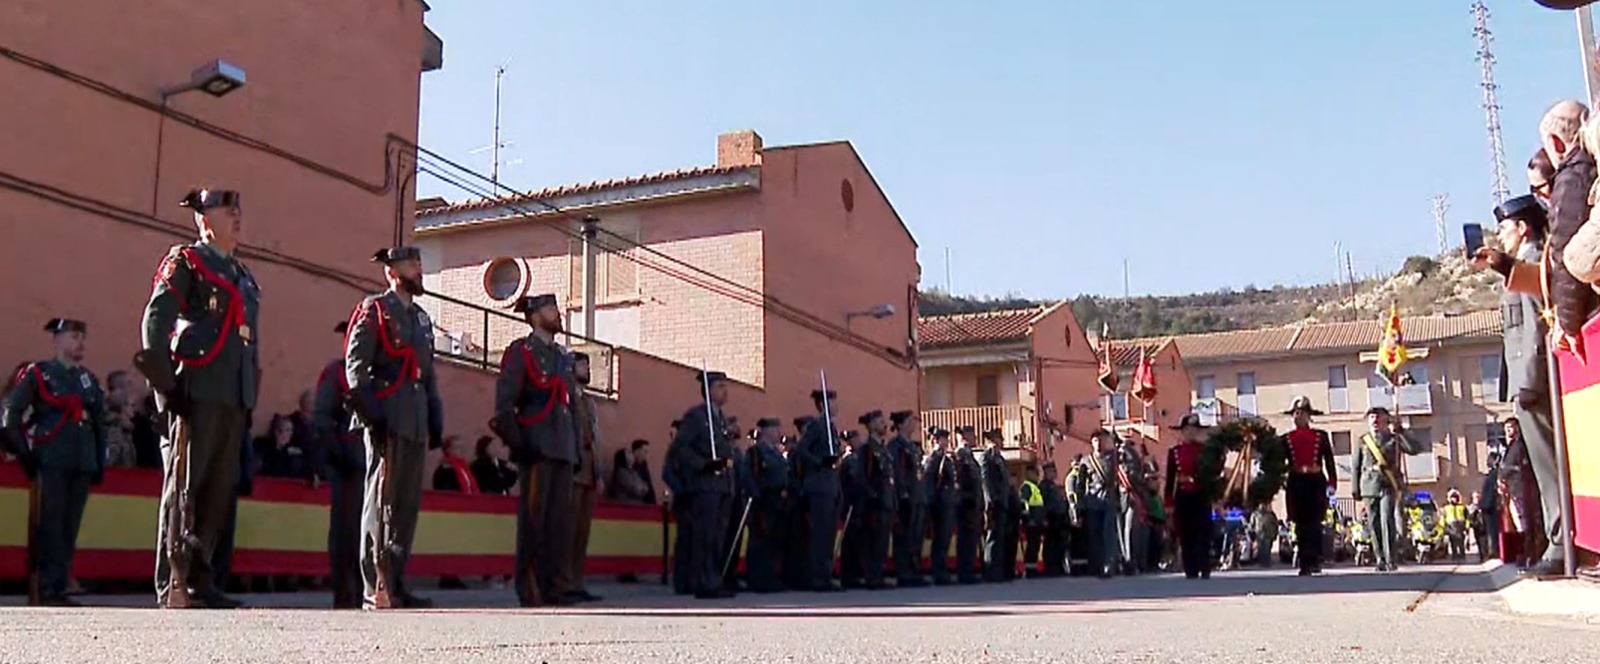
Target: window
x,y
1338,390
1205,387
1489,365
616,277
989,390
1119,407
1496,437
1247,394
1341,443
1418,373
1423,437
1374,380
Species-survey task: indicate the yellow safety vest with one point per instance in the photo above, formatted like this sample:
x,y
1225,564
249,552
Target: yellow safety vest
x,y
1454,513
1034,498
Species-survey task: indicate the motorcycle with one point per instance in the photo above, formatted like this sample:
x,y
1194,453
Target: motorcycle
x,y
1362,541
1286,545
1427,535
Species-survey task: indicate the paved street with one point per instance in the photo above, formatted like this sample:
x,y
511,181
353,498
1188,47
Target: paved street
x,y
1420,615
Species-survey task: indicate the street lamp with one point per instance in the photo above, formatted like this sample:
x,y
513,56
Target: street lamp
x,y
216,78
880,312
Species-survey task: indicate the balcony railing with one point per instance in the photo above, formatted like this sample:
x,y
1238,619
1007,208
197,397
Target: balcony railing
x,y
1012,421
1214,412
1414,399
477,335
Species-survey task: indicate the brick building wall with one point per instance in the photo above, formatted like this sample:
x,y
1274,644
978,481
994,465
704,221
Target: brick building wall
x,y
327,83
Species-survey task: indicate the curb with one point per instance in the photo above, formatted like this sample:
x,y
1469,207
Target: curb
x,y
1572,599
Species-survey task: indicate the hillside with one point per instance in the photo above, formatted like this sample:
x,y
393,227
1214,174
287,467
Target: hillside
x,y
1421,286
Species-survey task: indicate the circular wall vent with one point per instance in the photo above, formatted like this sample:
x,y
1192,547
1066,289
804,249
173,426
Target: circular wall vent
x,y
506,279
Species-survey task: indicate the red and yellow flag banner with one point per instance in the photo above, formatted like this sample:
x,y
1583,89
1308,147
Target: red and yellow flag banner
x,y
1392,348
1144,379
1580,405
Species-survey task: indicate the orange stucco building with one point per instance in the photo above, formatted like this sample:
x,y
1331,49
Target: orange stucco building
x,y
771,264
95,159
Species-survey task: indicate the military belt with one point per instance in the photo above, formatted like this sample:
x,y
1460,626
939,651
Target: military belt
x,y
1307,470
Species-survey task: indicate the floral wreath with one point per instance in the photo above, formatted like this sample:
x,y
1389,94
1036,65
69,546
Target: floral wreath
x,y
1263,444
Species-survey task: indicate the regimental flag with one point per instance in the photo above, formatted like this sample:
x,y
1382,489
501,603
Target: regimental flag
x,y
1144,379
1108,371
1392,349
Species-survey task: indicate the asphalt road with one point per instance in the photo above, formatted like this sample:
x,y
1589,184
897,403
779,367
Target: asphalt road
x,y
1419,615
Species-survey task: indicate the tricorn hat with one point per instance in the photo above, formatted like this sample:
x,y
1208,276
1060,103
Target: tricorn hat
x,y
709,378
1302,403
867,418
61,325
201,200
899,417
528,304
1377,410
938,432
393,255
816,395
801,422
995,435
1190,421
966,429
769,422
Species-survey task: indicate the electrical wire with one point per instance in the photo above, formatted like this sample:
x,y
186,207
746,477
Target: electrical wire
x,y
691,274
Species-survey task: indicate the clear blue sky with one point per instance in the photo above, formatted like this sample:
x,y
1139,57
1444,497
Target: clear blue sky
x,y
1213,144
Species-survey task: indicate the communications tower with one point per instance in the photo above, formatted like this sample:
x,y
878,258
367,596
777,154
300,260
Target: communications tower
x,y
1491,104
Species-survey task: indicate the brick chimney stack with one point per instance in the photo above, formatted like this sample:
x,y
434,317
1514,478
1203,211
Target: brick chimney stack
x,y
739,148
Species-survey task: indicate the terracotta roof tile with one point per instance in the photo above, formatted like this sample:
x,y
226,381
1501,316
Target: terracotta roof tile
x,y
979,328
1125,354
1314,337
585,188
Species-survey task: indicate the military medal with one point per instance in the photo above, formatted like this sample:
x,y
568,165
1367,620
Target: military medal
x,y
244,332
212,304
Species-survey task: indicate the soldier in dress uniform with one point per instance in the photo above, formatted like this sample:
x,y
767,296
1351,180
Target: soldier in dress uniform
x,y
394,392
939,487
819,451
704,455
199,352
1055,522
1378,485
680,518
54,423
1130,517
1100,500
1311,476
1191,508
766,478
970,491
911,499
997,492
852,488
534,414
585,484
877,519
340,457
795,545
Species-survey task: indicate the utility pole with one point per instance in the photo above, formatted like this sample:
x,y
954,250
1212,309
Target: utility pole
x,y
1350,278
1491,105
1441,204
1127,293
1591,75
949,286
494,157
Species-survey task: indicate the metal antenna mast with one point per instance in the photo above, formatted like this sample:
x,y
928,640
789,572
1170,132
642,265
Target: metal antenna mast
x,y
1491,104
1441,204
494,168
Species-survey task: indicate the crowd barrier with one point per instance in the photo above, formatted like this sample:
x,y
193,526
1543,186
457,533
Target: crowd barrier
x,y
283,530
1580,405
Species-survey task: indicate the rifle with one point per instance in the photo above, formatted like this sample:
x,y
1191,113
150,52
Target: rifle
x,y
381,597
837,538
180,542
827,416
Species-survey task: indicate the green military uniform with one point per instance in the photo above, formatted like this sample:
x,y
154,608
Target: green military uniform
x,y
997,497
1135,532
911,501
1095,484
1377,478
764,476
703,454
340,458
878,503
54,421
533,406
818,453
969,508
1055,523
200,352
394,392
939,486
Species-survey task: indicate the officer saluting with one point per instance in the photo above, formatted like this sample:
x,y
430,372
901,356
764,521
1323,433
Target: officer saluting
x,y
341,459
1311,475
533,414
199,352
388,363
65,415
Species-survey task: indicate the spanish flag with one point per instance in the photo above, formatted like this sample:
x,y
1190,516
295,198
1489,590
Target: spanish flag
x,y
1108,372
1392,349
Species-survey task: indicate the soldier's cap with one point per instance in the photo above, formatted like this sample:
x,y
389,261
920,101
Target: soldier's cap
x,y
1375,410
939,432
677,423
899,417
342,327
528,304
1101,432
580,356
1190,421
1049,465
994,435
392,255
769,423
801,422
201,200
1302,403
965,430
869,416
709,378
1522,208
816,395
63,325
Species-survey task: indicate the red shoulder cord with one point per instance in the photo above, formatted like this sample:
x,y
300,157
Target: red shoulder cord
x,y
232,319
70,405
408,355
556,387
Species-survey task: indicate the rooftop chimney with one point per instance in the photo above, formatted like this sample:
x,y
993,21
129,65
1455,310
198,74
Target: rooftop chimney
x,y
739,148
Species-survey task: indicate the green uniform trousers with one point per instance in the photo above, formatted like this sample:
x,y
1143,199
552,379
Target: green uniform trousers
x,y
215,433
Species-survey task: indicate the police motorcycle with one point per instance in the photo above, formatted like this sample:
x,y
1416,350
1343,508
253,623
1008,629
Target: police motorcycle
x,y
1426,528
1231,544
1361,541
1286,543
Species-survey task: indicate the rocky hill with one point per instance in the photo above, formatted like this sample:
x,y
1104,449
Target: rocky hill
x,y
1421,286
